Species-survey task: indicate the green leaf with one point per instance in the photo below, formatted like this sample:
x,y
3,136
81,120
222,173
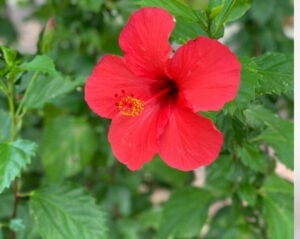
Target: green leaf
x,y
275,184
128,228
14,157
279,133
68,145
240,8
29,230
184,31
279,216
47,88
169,175
219,16
277,73
9,55
229,223
175,7
248,193
252,157
281,139
216,170
218,183
278,207
3,87
63,212
151,218
5,125
178,9
224,11
40,63
185,213
247,88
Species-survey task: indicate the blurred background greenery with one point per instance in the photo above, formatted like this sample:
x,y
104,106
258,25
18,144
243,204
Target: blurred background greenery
x,y
72,140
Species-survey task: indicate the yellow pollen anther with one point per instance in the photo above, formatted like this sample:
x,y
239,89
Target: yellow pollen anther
x,y
130,106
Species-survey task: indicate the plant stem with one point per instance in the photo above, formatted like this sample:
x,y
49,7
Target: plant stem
x,y
16,202
24,195
12,109
13,135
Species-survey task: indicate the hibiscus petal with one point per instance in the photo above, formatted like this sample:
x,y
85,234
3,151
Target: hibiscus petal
x,y
134,140
110,81
207,73
144,41
189,140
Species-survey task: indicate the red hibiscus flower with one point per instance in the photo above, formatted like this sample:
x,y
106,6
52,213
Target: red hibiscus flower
x,y
153,97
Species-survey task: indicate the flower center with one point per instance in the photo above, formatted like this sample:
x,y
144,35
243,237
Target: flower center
x,y
172,89
165,91
130,106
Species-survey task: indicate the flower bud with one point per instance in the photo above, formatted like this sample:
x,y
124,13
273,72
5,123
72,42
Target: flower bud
x,y
48,36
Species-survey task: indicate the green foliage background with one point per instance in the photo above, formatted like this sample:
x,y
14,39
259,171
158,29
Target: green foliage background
x,y
56,166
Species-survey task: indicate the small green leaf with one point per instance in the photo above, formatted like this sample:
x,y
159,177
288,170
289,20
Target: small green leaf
x,y
279,133
185,213
216,170
9,55
223,11
240,8
14,157
68,145
252,157
219,16
64,212
248,193
40,63
277,73
47,88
